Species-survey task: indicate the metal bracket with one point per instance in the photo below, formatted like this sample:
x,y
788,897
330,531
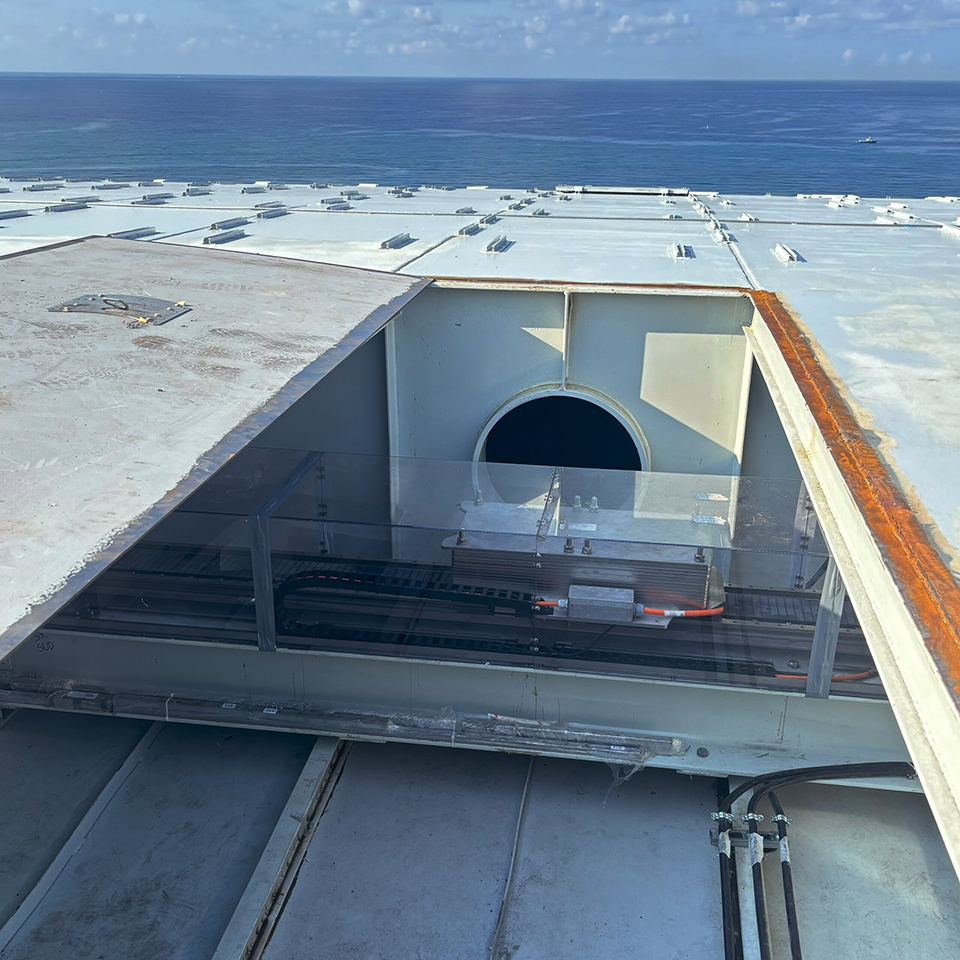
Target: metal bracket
x,y
740,838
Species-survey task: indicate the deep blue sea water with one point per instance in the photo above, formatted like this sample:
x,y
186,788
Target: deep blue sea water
x,y
730,136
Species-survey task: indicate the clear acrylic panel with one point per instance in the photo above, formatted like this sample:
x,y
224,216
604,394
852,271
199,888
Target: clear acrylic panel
x,y
706,579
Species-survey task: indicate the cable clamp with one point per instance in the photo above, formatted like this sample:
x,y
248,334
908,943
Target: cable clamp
x,y
781,818
747,817
722,816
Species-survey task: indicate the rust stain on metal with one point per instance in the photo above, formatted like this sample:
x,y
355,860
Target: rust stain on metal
x,y
925,581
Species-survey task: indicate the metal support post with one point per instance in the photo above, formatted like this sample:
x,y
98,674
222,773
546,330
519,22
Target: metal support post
x,y
824,649
261,552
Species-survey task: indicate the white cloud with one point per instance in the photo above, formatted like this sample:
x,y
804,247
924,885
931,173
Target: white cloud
x,y
849,54
906,56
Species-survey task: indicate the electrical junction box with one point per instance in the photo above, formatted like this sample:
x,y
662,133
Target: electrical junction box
x,y
607,604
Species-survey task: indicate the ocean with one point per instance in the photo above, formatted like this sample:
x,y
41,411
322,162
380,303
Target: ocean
x,y
731,136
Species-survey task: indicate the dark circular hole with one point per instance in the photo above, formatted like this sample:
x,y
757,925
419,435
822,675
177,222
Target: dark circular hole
x,y
562,432
703,752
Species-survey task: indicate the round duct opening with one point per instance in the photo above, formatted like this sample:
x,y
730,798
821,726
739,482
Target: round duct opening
x,y
564,431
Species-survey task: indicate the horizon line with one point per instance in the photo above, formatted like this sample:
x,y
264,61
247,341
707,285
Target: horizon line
x,y
485,79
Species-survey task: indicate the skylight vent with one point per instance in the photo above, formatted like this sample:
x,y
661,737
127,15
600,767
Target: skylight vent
x,y
889,222
267,204
540,212
747,218
148,203
226,237
320,186
151,183
396,241
136,234
469,230
493,218
271,213
64,207
466,210
680,251
277,186
787,254
516,206
196,192
81,199
671,216
38,187
4,189
158,196
200,183
229,224
13,214
338,205
506,196
111,186
254,190
498,245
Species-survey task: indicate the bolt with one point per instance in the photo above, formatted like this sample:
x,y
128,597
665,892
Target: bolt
x,y
576,502
478,499
568,546
793,664
587,548
461,538
703,752
699,557
594,506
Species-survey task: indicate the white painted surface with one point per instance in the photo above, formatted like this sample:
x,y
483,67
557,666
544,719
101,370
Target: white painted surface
x,y
101,422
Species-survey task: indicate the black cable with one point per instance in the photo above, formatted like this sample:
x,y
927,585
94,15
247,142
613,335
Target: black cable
x,y
761,786
786,872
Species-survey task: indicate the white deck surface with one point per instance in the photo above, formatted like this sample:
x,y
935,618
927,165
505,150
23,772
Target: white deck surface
x,y
411,857
165,864
102,424
882,301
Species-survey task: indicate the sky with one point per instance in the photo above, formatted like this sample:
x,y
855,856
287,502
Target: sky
x,y
617,39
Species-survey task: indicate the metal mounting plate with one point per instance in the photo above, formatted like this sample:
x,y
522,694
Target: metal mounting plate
x,y
135,309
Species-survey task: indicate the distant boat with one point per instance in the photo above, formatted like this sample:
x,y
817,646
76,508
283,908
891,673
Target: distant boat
x,y
867,140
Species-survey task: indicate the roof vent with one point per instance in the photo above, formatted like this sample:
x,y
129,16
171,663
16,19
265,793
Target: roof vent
x,y
680,251
338,205
81,200
267,204
254,190
159,196
747,218
37,187
945,199
225,237
229,224
506,196
469,230
111,186
135,310
200,183
499,245
466,210
13,214
493,218
787,254
271,213
396,241
196,192
277,186
152,202
540,212
671,216
519,205
134,234
4,189
151,183
67,205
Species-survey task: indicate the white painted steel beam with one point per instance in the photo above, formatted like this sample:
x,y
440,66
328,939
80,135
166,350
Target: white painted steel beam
x,y
922,704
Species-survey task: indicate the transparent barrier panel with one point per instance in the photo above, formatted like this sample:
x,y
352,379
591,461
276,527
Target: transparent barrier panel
x,y
700,578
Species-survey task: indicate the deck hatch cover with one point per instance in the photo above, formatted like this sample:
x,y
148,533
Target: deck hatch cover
x,y
136,310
